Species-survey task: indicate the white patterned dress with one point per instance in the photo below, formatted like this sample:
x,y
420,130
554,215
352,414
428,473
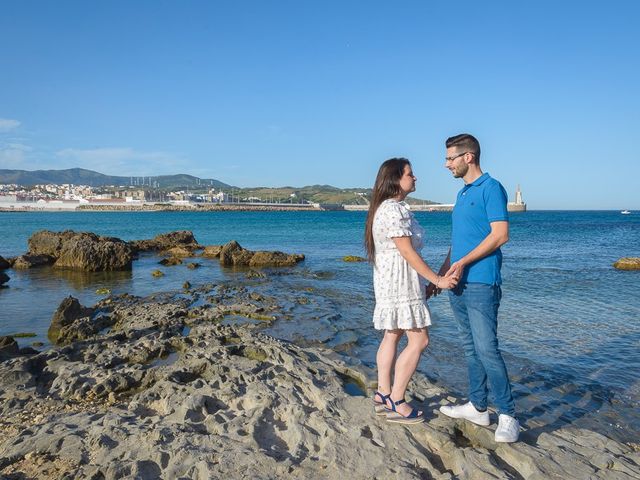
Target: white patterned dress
x,y
399,290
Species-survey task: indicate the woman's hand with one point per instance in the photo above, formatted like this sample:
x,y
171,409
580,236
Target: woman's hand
x,y
447,282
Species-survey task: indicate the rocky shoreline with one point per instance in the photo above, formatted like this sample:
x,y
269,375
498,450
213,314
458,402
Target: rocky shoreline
x,y
171,386
183,384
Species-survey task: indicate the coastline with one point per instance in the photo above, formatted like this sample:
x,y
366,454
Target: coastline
x,y
162,386
226,207
169,208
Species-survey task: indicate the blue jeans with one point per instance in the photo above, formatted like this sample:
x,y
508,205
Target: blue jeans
x,y
475,308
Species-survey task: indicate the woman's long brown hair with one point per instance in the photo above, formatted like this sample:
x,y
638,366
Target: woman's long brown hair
x,y
387,186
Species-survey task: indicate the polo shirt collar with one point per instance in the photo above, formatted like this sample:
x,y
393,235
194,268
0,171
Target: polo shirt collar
x,y
479,180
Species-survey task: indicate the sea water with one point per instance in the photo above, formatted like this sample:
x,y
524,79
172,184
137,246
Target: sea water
x,y
569,323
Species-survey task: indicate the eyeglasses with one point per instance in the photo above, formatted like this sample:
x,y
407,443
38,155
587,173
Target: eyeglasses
x,y
451,159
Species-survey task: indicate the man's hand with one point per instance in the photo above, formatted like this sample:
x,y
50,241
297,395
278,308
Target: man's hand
x,y
456,270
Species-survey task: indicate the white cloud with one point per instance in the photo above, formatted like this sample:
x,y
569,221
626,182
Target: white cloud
x,y
123,161
13,155
7,124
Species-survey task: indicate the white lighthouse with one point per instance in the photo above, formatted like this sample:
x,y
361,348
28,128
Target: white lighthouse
x,y
518,196
518,205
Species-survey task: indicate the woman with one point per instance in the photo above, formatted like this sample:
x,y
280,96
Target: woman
x,y
393,238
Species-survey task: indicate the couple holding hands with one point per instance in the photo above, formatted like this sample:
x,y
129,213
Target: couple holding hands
x,y
471,273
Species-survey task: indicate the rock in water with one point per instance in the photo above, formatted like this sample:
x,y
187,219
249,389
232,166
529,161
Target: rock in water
x,y
232,254
274,259
166,241
170,261
26,261
212,251
82,250
95,254
180,252
628,263
68,311
4,264
227,251
4,278
353,258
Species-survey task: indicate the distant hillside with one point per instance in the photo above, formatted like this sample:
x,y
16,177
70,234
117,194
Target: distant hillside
x,y
315,194
80,176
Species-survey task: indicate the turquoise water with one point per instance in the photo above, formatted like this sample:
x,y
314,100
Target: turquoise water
x,y
569,322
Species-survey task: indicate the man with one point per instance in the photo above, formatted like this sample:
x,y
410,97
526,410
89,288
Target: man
x,y
480,226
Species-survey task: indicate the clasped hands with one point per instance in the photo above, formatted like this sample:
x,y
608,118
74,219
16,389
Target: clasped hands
x,y
448,281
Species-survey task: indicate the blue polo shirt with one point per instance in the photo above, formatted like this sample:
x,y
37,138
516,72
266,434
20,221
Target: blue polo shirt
x,y
477,205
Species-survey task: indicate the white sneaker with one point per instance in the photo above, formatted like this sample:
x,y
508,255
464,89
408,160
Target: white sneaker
x,y
508,429
468,412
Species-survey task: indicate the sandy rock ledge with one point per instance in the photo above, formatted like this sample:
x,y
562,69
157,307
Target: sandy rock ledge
x,y
163,390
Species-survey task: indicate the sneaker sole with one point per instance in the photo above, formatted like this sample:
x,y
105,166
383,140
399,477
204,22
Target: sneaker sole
x,y
482,423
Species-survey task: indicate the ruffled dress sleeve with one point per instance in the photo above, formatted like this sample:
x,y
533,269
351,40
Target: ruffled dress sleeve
x,y
396,220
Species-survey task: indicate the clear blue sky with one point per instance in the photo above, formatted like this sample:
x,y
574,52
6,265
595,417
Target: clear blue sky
x,y
278,93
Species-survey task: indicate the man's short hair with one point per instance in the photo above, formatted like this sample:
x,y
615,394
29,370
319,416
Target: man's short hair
x,y
465,142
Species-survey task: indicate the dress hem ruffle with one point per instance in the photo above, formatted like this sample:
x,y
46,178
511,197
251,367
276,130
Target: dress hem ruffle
x,y
403,317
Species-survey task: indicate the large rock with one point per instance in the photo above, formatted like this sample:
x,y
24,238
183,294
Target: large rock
x,y
95,254
45,242
82,250
628,263
4,278
166,241
28,260
232,254
275,259
68,311
227,251
4,264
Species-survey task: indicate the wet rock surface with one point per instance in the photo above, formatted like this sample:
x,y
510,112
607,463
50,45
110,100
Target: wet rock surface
x,y
81,250
628,263
212,251
27,261
232,254
64,317
183,239
353,258
87,251
4,278
170,261
163,387
4,264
